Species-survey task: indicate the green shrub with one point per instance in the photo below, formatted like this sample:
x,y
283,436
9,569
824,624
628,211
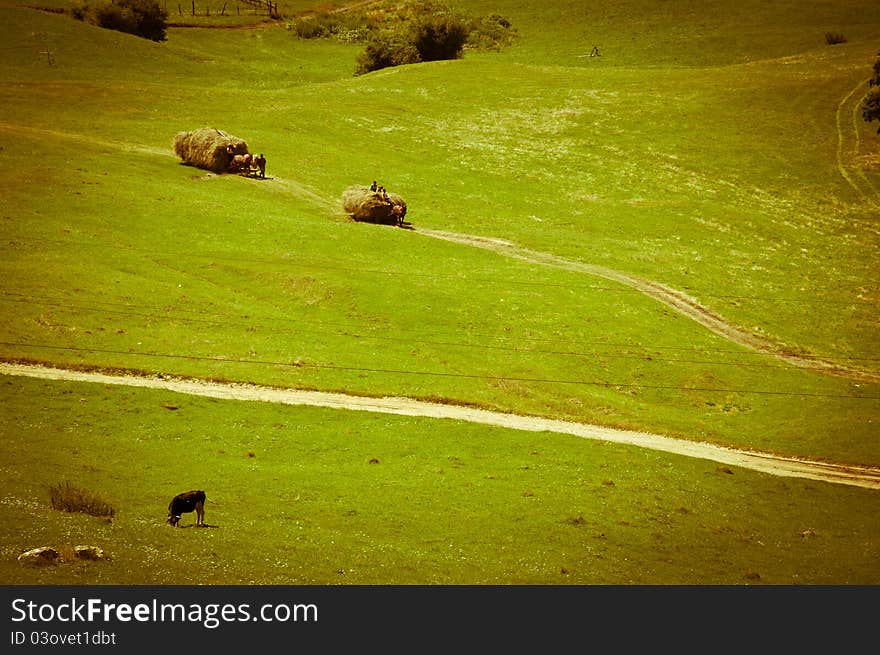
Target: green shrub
x,y
871,106
143,18
113,16
399,33
833,38
385,51
439,37
67,498
871,102
431,38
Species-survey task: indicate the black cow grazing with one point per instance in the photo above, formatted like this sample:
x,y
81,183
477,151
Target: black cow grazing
x,y
187,502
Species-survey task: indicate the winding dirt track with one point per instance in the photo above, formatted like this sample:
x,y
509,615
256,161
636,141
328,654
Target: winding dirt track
x,y
849,136
857,476
672,298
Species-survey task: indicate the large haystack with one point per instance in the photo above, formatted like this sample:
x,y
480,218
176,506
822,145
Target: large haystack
x,y
208,148
372,207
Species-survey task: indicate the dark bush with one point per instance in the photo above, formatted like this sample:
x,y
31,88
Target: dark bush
x,y
378,54
143,18
113,16
151,18
871,102
399,33
429,39
871,106
833,38
385,51
439,38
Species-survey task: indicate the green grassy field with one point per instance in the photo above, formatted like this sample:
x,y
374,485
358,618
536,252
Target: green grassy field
x,y
713,148
293,498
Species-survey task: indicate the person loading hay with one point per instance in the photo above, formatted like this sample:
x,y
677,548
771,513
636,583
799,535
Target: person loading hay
x,y
260,163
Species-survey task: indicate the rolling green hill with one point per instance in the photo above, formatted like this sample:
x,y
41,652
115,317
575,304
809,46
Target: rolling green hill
x,y
716,151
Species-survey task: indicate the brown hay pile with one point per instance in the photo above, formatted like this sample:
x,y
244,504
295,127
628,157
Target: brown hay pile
x,y
207,148
370,207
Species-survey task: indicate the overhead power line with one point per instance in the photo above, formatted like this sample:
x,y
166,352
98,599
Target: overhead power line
x,y
606,349
341,267
444,374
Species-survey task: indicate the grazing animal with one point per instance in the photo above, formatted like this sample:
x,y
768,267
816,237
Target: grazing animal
x,y
240,163
184,503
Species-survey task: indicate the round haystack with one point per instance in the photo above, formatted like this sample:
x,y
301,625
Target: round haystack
x,y
208,148
372,207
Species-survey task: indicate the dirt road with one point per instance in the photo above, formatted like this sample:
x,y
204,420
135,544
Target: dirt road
x,y
858,476
672,298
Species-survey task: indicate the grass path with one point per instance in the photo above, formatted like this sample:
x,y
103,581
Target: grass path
x,y
863,187
851,475
672,298
90,140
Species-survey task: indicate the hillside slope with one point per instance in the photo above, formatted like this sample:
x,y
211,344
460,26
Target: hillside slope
x,y
703,176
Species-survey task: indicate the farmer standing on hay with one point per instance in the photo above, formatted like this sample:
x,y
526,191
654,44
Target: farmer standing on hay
x,y
374,187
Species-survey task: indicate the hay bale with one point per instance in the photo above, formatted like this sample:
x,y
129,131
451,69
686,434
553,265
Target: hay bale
x,y
42,556
371,207
208,148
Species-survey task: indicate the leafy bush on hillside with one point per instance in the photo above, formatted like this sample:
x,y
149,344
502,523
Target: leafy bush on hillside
x,y
833,38
397,33
875,77
144,18
439,38
871,102
429,39
385,52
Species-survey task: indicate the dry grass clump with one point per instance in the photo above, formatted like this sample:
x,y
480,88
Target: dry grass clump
x,y
208,148
67,498
372,207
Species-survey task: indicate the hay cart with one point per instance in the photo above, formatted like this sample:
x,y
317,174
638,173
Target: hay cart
x,y
217,151
368,206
